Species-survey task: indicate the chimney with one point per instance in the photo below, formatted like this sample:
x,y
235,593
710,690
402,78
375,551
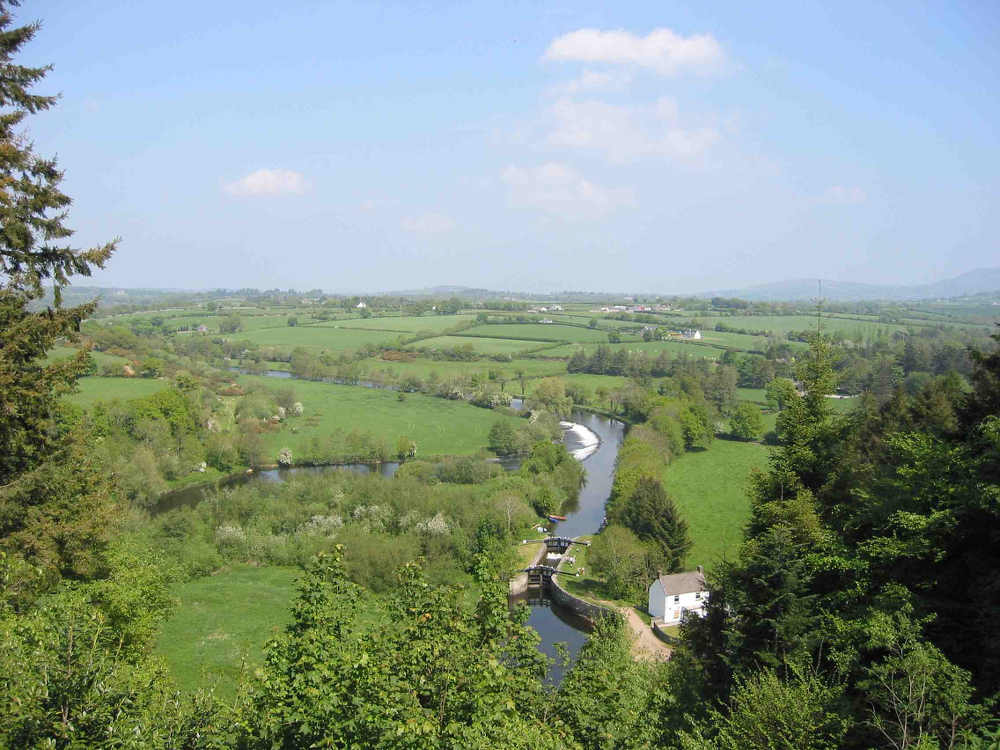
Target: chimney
x,y
701,571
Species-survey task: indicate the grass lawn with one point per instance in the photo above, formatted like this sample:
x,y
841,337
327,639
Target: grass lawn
x,y
709,488
221,625
96,388
438,426
483,345
315,337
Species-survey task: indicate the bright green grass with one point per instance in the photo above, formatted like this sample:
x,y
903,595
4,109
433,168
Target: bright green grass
x,y
221,624
65,352
315,338
483,345
422,368
591,382
709,488
651,347
96,388
408,324
786,323
539,331
438,426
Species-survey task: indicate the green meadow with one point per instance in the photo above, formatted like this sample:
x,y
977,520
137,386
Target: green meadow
x,y
422,368
92,389
315,337
408,324
221,624
539,331
438,426
709,488
482,345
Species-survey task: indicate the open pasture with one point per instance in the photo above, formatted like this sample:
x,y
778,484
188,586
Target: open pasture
x,y
709,488
539,331
406,324
482,345
315,338
218,630
438,426
650,347
423,368
95,388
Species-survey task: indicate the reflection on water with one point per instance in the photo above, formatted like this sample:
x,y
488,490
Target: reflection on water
x,y
196,493
554,625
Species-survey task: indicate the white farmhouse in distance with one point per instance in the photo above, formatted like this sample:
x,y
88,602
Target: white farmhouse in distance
x,y
361,305
670,596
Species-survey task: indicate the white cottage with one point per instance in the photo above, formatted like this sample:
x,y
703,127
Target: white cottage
x,y
670,596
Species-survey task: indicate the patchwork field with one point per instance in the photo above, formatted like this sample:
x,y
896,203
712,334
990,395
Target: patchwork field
x,y
438,426
315,338
539,331
406,324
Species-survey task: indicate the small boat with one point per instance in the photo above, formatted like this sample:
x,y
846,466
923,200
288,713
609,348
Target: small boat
x,y
556,518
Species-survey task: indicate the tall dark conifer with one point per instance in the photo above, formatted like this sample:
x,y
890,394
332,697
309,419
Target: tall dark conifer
x,y
34,254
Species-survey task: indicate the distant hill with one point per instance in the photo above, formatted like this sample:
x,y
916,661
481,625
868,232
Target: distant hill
x,y
974,282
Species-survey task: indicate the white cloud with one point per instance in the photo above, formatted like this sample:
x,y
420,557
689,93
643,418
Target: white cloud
x,y
627,133
561,190
661,50
844,195
596,80
269,182
428,224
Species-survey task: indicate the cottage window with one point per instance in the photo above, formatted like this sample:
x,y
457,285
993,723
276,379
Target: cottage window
x,y
676,599
697,595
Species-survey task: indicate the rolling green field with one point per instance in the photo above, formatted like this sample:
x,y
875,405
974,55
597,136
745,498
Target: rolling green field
x,y
422,368
408,324
438,426
651,347
539,331
315,337
64,352
96,388
786,323
221,624
709,488
479,344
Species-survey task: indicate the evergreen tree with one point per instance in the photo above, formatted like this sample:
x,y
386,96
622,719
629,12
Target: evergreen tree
x,y
36,463
653,517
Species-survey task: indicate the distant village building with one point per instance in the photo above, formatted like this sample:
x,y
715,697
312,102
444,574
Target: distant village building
x,y
671,597
203,328
692,334
361,305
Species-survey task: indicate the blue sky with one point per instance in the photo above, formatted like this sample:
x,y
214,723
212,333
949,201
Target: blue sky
x,y
524,145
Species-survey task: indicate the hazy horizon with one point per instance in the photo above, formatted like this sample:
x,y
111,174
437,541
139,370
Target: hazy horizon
x,y
642,147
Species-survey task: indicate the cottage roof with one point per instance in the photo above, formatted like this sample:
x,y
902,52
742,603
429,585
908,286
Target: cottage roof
x,y
683,583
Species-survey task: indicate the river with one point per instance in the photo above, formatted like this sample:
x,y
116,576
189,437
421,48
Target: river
x,y
554,624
